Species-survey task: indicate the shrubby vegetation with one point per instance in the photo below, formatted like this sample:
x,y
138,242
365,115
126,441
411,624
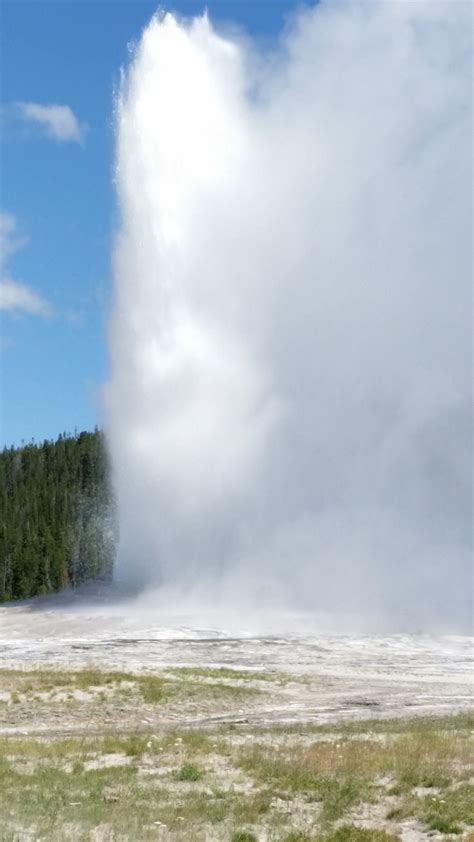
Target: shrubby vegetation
x,y
57,523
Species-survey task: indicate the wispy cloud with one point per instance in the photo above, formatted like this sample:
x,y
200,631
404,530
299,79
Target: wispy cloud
x,y
16,296
10,240
57,121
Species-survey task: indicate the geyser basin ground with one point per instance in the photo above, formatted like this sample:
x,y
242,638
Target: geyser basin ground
x,y
329,676
119,721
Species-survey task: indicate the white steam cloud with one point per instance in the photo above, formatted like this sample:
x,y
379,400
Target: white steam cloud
x,y
289,404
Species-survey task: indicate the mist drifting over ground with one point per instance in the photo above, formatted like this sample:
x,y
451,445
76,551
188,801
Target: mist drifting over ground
x,y
289,404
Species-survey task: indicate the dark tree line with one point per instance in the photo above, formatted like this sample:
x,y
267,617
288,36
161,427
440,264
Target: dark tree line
x,y
57,523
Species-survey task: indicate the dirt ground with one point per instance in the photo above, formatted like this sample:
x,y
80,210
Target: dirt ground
x,y
118,724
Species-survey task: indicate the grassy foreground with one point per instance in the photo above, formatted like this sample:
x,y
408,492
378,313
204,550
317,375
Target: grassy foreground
x,y
354,782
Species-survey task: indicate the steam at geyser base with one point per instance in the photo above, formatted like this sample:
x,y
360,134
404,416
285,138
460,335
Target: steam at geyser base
x,y
289,404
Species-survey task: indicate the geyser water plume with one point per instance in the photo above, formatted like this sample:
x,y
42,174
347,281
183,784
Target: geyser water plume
x,y
289,403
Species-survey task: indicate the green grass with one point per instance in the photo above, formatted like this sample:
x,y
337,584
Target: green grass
x,y
189,772
351,833
446,811
195,740
295,771
227,673
36,685
27,685
342,773
45,795
413,725
298,836
194,690
244,788
153,689
461,722
253,807
47,679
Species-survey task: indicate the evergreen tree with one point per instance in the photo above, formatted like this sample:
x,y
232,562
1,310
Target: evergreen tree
x,y
57,515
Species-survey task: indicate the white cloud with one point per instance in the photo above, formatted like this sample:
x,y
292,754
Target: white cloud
x,y
58,121
10,241
16,296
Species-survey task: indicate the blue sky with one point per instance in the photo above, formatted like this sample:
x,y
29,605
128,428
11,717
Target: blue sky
x,y
57,197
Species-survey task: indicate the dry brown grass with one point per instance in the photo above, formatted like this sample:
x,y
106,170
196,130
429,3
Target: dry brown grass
x,y
297,784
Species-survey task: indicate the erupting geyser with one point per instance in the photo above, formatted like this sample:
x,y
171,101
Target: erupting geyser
x,y
289,403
